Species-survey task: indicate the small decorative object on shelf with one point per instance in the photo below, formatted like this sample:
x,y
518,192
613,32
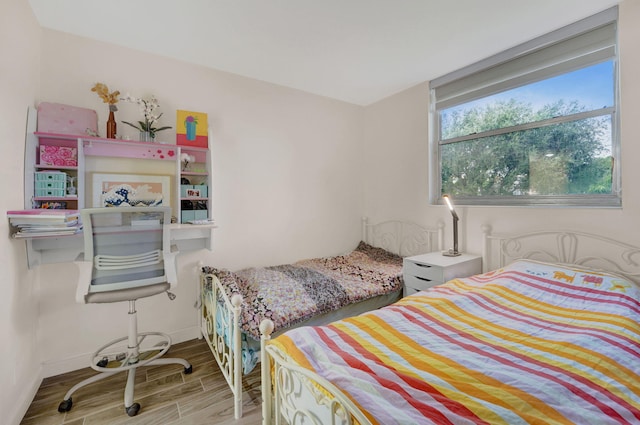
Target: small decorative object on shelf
x,y
150,118
111,124
185,158
147,136
92,133
58,155
71,189
111,99
51,205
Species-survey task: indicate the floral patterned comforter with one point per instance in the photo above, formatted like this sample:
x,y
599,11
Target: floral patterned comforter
x,y
292,293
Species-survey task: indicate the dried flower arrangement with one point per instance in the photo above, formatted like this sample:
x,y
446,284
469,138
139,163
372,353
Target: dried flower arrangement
x,y
111,98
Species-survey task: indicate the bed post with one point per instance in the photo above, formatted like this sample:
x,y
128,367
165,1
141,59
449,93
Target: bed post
x,y
266,327
236,368
365,229
486,247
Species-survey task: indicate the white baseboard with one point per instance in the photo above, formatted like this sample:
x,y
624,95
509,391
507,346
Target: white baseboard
x,y
26,397
80,361
186,335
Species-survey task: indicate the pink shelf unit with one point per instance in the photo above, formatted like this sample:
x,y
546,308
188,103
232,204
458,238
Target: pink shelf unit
x,y
129,149
96,146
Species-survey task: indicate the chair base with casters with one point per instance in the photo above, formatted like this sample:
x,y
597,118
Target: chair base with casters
x,y
111,359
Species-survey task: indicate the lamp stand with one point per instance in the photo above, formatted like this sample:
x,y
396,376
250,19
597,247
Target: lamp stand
x,y
453,252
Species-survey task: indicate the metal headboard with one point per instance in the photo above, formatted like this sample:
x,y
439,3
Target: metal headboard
x,y
565,247
402,237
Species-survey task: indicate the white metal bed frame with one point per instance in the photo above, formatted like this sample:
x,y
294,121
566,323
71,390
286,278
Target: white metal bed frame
x,y
399,237
588,250
299,396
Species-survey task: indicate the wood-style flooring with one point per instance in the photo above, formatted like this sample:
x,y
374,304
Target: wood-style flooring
x,y
166,395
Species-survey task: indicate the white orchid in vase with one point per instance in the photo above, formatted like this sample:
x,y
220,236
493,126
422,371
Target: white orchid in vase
x,y
148,108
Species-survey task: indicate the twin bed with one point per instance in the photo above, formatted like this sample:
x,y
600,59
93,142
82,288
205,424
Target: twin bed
x,y
549,333
310,292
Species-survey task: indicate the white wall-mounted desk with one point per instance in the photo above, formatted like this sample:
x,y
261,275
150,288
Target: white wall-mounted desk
x,y
166,161
62,249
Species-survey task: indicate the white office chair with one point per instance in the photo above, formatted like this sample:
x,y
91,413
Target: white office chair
x,y
127,256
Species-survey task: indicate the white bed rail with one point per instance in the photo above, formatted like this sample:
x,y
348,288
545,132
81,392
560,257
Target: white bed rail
x,y
228,357
297,396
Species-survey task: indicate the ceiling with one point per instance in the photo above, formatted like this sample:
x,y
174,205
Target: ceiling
x,y
357,51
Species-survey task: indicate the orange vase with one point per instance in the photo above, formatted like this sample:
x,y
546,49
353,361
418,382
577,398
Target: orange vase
x,y
111,126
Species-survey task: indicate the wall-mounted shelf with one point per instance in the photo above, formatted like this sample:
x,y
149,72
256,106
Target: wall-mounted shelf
x,y
68,154
78,147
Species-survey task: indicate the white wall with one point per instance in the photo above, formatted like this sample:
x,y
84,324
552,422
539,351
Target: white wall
x,y
396,141
19,350
396,158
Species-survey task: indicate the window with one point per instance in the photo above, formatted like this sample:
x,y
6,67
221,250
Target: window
x,y
534,125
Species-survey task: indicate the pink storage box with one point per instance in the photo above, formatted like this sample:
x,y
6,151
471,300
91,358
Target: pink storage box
x,y
66,119
58,156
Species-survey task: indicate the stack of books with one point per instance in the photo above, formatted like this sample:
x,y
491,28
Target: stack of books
x,y
44,222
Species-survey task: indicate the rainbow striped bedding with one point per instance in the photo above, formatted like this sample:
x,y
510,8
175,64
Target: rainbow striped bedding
x,y
530,343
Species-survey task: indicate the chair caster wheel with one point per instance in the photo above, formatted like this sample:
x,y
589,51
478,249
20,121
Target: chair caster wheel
x,y
133,409
188,370
65,406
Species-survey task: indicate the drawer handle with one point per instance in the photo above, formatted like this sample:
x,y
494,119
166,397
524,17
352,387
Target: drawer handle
x,y
423,278
426,266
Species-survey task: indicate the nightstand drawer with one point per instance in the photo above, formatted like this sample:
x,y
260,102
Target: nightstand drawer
x,y
428,271
410,291
418,283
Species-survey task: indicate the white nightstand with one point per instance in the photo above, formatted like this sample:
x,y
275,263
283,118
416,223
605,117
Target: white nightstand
x,y
426,270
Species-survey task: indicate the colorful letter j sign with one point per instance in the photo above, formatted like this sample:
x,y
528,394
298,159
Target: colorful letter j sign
x,y
191,129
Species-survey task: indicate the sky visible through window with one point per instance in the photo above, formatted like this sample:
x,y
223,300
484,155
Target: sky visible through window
x,y
591,87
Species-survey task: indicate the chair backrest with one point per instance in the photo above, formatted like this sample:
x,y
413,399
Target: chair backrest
x,y
127,247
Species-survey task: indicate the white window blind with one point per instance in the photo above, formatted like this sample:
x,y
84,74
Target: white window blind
x,y
583,43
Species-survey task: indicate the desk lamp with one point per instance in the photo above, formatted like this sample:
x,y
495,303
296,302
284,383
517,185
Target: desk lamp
x,y
452,252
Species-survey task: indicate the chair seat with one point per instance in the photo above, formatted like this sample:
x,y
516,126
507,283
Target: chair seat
x,y
127,278
127,294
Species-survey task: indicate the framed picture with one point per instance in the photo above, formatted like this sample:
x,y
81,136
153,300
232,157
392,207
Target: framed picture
x,y
192,129
123,190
